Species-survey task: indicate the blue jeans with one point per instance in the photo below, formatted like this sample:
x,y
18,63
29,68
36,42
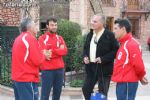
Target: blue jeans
x,y
52,78
126,91
25,90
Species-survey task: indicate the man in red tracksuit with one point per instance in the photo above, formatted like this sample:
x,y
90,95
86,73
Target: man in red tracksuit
x,y
129,67
26,59
52,69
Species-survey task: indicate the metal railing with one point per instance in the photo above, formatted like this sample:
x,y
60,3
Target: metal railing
x,y
7,36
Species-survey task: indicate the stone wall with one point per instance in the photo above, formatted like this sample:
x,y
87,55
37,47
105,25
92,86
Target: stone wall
x,y
9,16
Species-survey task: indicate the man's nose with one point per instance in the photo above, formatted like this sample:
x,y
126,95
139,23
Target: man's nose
x,y
55,26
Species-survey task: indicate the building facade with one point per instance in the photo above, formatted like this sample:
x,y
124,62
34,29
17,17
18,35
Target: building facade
x,y
137,11
80,11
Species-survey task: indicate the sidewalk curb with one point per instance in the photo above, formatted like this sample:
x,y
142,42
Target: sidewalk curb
x,y
65,90
6,90
78,91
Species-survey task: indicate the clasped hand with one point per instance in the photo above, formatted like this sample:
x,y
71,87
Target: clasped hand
x,y
87,61
47,53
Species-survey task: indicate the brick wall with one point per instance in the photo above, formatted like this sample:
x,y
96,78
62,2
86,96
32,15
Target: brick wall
x,y
9,16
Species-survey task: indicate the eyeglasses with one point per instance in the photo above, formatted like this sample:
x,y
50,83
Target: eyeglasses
x,y
95,40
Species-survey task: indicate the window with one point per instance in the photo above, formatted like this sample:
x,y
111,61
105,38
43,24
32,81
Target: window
x,y
108,2
43,26
133,4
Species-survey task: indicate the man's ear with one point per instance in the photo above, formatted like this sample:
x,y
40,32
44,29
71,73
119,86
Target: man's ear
x,y
124,29
47,26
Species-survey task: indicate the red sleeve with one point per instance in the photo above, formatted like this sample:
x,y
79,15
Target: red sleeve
x,y
59,51
136,60
41,41
35,52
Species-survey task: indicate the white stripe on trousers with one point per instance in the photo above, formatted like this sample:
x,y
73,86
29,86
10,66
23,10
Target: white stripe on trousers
x,y
127,92
32,89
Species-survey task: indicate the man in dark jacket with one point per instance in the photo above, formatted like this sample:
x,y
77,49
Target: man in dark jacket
x,y
99,52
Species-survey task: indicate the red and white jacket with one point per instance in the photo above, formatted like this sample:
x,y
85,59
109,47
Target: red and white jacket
x,y
53,42
26,58
129,66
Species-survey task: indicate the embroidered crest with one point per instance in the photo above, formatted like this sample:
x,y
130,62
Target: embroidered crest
x,y
119,55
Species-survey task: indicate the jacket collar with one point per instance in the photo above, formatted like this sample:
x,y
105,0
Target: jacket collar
x,y
27,33
125,38
50,34
103,34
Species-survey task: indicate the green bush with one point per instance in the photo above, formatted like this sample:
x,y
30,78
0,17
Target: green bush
x,y
77,83
71,33
77,55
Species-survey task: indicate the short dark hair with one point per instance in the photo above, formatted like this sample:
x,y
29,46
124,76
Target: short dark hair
x,y
25,23
51,19
124,23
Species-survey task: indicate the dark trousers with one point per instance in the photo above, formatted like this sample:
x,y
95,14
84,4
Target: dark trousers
x,y
52,78
25,90
126,91
92,78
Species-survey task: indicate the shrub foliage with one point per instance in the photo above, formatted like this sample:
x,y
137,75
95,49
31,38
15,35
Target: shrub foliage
x,y
71,33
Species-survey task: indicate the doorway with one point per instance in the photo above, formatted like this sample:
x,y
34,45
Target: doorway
x,y
135,27
109,23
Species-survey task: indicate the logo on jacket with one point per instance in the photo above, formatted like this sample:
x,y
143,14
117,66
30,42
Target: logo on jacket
x,y
119,55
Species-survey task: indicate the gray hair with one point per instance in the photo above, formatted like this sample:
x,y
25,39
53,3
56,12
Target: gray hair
x,y
102,18
25,23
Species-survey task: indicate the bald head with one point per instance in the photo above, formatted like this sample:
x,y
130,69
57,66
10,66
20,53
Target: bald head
x,y
101,18
98,22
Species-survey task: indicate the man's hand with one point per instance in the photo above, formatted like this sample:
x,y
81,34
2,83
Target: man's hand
x,y
86,60
144,81
47,53
62,46
98,60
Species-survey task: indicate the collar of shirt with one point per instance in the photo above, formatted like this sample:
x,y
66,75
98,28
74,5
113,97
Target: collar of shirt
x,y
51,34
29,33
99,34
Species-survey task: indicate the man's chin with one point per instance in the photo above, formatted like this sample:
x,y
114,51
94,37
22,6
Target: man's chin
x,y
53,31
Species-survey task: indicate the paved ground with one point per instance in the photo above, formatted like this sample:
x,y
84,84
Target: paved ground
x,y
143,92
